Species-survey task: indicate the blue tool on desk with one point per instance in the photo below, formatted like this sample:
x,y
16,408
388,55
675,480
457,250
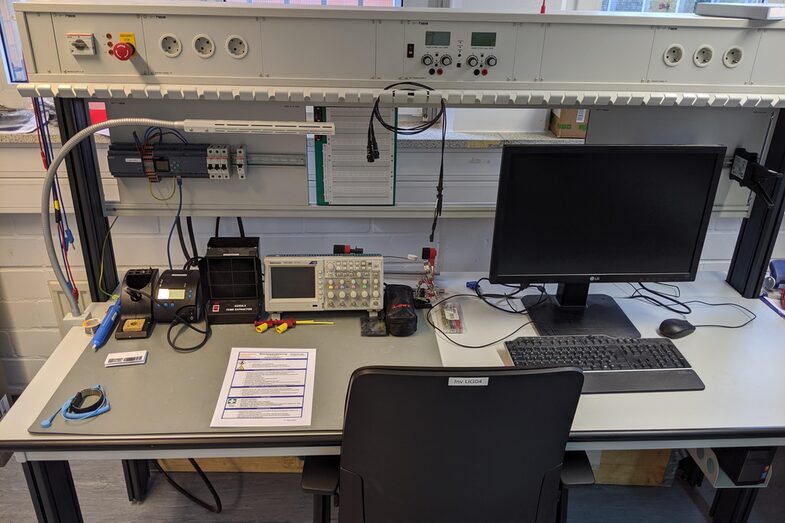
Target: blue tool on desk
x,y
103,332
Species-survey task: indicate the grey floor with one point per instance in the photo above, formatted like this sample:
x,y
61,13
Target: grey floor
x,y
276,498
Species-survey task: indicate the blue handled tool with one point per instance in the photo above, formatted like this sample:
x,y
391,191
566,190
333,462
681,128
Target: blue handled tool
x,y
102,334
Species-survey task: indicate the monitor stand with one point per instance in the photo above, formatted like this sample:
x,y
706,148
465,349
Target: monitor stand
x,y
573,311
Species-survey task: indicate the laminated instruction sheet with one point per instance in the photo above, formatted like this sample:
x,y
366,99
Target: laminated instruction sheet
x,y
267,388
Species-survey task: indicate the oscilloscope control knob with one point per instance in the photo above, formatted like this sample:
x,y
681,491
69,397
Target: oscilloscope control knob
x,y
342,295
491,61
331,295
446,60
427,59
472,61
353,294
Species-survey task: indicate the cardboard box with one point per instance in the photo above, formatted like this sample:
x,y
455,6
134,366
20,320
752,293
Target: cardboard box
x,y
569,123
634,467
281,464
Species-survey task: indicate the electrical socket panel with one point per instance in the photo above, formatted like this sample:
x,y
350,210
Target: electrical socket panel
x,y
702,56
257,53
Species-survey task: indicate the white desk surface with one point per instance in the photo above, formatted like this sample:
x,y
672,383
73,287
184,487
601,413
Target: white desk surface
x,y
743,369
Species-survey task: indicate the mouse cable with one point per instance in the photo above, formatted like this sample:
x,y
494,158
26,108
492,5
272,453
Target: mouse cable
x,y
179,320
751,316
217,508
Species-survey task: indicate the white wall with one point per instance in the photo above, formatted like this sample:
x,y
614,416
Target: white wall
x,y
497,120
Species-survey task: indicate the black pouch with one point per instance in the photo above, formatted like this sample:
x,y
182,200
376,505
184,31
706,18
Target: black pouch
x,y
399,313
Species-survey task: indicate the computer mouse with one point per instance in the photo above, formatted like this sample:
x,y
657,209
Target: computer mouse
x,y
675,328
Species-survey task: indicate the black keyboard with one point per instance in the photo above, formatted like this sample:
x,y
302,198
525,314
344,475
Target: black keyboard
x,y
610,364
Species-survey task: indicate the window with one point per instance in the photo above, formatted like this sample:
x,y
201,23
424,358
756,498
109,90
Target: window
x,y
356,3
659,6
10,45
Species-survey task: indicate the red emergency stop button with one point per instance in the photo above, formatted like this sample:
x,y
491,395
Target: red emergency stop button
x,y
123,51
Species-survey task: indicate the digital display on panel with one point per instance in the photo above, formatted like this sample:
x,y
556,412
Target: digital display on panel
x,y
292,282
437,38
162,165
171,294
483,39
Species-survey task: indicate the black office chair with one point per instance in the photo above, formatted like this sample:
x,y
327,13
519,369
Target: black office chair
x,y
451,445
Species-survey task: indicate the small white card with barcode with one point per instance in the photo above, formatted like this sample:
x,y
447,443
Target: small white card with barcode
x,y
119,359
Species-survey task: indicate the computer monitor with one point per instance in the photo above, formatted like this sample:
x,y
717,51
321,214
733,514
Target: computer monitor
x,y
581,214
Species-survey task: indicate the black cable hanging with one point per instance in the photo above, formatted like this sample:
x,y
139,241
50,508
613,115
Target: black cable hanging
x,y
180,236
217,508
373,147
190,225
240,226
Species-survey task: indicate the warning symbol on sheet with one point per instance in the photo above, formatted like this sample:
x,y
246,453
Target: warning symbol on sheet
x,y
231,402
241,365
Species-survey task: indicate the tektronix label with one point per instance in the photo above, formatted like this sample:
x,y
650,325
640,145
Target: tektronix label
x,y
467,382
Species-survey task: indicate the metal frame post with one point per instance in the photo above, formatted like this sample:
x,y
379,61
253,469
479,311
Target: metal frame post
x,y
759,230
52,491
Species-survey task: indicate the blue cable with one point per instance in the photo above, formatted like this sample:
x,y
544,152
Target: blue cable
x,y
72,416
174,222
46,138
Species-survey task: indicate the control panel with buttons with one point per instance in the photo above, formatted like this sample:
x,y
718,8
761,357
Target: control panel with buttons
x,y
323,282
459,51
178,293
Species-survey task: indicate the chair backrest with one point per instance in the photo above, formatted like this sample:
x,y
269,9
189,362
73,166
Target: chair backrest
x,y
450,445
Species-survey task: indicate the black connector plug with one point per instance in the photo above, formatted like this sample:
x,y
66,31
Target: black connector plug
x,y
369,152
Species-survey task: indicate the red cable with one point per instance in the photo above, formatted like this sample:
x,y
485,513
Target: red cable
x,y
38,131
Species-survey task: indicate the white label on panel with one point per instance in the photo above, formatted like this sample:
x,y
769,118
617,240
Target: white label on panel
x,y
468,382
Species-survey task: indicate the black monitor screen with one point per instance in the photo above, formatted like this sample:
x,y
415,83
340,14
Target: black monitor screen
x,y
603,213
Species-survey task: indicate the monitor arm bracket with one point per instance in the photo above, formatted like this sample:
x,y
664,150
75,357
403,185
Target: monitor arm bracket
x,y
749,173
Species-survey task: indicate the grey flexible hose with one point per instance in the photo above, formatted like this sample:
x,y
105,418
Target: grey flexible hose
x,y
49,180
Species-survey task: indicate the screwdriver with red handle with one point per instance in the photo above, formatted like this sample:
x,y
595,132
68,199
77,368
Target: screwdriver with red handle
x,y
282,326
